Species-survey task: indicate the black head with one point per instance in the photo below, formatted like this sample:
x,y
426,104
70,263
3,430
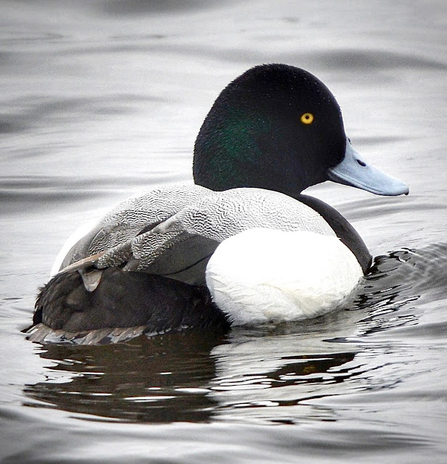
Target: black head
x,y
276,127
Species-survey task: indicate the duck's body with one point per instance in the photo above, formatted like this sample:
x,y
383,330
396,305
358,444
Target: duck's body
x,y
274,129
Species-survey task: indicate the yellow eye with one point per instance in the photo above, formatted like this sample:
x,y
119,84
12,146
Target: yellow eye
x,y
307,118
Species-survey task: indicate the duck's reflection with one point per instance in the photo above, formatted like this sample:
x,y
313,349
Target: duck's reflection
x,y
273,377
183,376
159,379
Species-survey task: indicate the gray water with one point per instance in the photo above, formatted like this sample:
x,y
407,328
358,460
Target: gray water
x,y
102,99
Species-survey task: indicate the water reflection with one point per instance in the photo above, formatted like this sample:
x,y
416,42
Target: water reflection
x,y
183,376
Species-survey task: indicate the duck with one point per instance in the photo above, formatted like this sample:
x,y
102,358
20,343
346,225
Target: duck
x,y
241,245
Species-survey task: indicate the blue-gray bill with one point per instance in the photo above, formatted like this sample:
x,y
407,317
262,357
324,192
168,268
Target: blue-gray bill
x,y
357,172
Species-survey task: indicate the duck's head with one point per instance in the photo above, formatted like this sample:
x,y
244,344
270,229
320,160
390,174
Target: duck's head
x,y
280,128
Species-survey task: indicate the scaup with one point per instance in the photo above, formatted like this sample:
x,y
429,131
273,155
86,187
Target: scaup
x,y
242,245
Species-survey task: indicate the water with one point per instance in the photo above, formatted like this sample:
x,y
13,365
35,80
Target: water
x,y
101,99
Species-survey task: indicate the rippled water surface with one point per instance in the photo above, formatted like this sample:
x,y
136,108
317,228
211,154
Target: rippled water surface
x,y
101,99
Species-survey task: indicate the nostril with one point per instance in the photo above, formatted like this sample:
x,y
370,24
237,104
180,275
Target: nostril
x,y
361,163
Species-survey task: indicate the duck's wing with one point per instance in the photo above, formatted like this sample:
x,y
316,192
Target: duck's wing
x,y
134,216
114,233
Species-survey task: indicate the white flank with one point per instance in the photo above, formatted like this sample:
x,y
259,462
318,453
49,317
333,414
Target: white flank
x,y
265,275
